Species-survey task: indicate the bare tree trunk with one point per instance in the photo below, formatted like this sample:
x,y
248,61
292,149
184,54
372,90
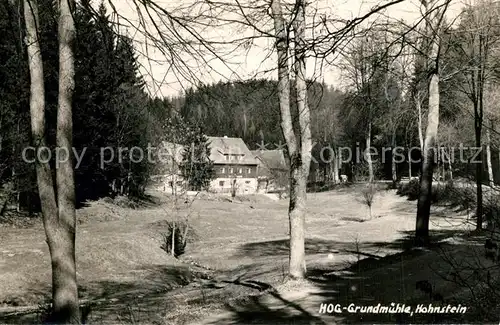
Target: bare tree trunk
x,y
439,162
419,112
450,158
172,252
336,177
479,178
59,218
488,157
433,26
409,164
299,153
15,179
369,156
393,161
66,294
424,199
340,163
302,159
498,158
443,170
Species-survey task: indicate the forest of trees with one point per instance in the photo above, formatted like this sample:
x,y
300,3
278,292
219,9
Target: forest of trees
x,y
435,84
111,107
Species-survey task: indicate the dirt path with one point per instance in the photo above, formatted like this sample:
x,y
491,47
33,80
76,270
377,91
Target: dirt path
x,y
386,273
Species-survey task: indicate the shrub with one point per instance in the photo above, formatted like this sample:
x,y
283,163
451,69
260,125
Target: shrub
x,y
368,194
317,187
393,186
491,209
180,231
440,193
446,193
410,189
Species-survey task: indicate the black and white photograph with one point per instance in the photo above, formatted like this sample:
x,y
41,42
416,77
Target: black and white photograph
x,y
216,162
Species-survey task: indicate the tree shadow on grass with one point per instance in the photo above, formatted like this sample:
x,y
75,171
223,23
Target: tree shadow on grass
x,y
256,311
372,279
323,246
142,298
158,290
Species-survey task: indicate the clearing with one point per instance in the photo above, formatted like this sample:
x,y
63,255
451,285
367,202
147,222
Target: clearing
x,y
241,249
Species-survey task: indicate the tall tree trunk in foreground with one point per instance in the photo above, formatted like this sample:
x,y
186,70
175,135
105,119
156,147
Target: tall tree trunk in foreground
x,y
58,218
298,141
424,199
478,80
66,294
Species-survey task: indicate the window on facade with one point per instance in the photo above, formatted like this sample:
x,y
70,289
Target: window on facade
x,y
249,170
221,183
240,170
247,182
227,157
231,170
223,170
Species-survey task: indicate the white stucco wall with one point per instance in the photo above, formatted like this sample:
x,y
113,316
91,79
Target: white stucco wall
x,y
243,185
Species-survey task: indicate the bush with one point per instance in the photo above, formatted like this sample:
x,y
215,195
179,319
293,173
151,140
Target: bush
x,y
317,187
447,193
393,186
368,194
181,232
410,189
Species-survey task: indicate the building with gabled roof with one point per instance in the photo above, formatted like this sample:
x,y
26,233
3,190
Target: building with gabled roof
x,y
235,166
272,170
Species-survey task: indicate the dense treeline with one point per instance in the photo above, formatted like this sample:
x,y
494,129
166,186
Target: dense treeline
x,y
250,110
111,107
384,106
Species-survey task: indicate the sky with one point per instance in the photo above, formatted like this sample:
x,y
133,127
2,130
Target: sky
x,y
252,61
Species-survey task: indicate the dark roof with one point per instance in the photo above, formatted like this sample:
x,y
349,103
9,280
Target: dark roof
x,y
272,159
220,147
